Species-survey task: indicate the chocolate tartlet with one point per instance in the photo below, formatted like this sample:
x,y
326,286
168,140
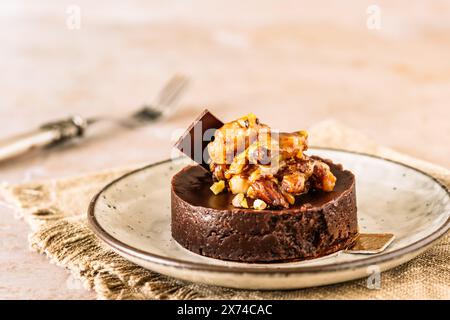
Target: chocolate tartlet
x,y
257,197
318,224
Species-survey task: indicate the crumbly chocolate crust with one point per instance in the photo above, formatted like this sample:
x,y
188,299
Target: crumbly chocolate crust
x,y
318,224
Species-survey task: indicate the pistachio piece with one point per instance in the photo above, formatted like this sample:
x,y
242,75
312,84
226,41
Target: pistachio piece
x,y
237,200
258,204
218,187
244,203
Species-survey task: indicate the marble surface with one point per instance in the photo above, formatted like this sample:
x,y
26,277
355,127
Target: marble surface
x,y
291,62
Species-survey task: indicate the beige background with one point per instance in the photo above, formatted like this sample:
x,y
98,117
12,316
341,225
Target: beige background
x,y
293,63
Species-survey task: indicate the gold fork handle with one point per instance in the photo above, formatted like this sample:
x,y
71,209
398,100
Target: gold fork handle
x,y
47,135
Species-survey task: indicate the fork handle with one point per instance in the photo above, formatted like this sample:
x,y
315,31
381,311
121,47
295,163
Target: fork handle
x,y
47,135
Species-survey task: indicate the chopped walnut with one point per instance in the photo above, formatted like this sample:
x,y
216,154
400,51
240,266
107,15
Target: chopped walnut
x,y
237,200
268,191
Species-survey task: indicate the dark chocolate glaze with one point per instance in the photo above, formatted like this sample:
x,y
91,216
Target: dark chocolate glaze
x,y
319,223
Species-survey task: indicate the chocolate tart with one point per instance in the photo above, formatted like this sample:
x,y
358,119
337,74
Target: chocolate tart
x,y
319,223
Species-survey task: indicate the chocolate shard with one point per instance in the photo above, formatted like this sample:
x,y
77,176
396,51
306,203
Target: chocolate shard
x,y
194,141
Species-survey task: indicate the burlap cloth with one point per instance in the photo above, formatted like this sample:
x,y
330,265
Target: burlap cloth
x,y
56,213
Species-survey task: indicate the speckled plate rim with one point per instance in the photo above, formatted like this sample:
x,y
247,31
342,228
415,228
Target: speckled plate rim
x,y
120,246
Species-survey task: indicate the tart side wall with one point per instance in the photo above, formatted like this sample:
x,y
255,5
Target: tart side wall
x,y
264,236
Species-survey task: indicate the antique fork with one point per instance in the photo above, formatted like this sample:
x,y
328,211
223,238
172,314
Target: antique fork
x,y
60,131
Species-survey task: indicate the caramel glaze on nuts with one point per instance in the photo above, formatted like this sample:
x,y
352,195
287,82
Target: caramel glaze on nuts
x,y
268,168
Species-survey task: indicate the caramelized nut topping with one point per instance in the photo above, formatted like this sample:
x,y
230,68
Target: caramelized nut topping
x,y
266,166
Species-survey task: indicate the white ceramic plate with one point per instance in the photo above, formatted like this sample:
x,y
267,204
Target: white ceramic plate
x,y
132,215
